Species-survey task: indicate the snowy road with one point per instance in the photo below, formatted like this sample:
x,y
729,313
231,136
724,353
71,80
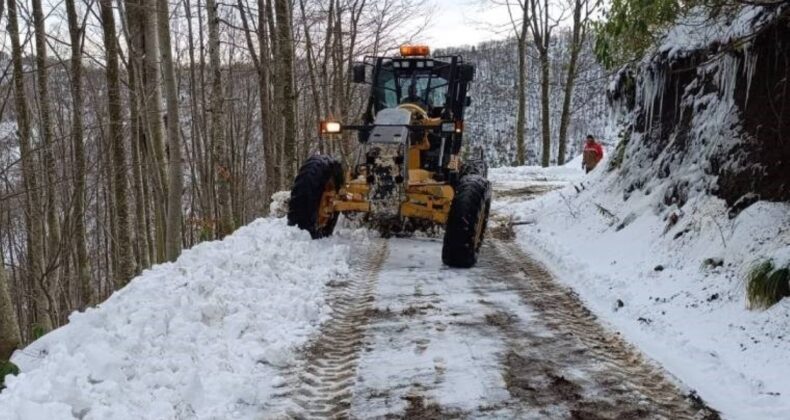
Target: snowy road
x,y
411,338
352,326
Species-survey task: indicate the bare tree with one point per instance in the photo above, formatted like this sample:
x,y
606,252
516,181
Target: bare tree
x,y
154,122
520,24
175,175
33,221
52,245
10,337
124,264
221,162
77,133
542,25
581,9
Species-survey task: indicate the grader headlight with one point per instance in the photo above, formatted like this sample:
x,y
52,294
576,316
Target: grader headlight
x,y
456,127
330,127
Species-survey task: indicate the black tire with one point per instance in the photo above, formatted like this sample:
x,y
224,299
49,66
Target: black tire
x,y
473,167
315,175
466,223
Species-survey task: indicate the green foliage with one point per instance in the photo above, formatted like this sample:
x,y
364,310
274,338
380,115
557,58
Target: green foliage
x,y
7,368
767,285
631,26
619,152
38,331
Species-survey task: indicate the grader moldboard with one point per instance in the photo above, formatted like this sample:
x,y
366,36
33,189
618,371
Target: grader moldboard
x,y
408,169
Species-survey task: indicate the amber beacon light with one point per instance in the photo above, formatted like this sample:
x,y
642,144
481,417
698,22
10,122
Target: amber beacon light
x,y
414,51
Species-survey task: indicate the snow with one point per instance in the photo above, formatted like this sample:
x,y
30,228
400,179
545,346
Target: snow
x,y
434,354
699,30
688,315
279,204
572,170
199,338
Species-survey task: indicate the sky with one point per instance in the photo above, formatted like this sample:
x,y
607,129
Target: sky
x,y
465,22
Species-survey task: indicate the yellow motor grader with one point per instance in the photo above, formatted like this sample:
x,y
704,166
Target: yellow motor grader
x,y
408,168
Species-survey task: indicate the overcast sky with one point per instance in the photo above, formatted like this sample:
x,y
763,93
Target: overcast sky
x,y
464,22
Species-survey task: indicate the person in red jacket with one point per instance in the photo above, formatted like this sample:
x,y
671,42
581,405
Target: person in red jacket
x,y
593,153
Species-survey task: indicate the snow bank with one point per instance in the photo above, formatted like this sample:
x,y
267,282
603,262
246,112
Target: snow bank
x,y
198,338
699,30
675,289
570,171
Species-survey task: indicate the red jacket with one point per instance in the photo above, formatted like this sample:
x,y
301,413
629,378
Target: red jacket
x,y
594,147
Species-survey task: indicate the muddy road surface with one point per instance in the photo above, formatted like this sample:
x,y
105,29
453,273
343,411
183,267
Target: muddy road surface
x,y
411,338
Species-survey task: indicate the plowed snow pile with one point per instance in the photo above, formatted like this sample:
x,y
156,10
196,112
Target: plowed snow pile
x,y
198,338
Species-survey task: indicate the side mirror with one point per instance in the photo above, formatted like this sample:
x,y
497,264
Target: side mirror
x,y
468,101
466,72
358,73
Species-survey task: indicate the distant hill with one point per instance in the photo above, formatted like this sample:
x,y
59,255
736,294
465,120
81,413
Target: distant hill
x,y
490,121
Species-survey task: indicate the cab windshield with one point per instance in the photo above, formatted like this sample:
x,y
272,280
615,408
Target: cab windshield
x,y
423,87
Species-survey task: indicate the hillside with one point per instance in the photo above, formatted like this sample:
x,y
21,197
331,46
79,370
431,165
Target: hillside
x,y
492,116
661,239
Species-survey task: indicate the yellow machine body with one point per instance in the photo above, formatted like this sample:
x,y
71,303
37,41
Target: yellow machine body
x,y
425,198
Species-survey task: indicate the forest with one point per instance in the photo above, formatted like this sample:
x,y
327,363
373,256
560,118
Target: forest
x,y
131,130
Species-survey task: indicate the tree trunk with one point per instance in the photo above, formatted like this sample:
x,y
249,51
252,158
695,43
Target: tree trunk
x,y
124,264
10,338
53,247
522,94
542,25
310,57
87,295
143,244
33,220
221,161
153,104
267,119
285,62
545,92
175,175
577,39
262,63
198,132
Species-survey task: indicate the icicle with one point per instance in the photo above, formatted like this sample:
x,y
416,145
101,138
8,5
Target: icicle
x,y
726,78
749,66
651,86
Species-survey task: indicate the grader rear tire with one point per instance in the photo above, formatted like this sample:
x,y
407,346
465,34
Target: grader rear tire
x,y
318,180
466,223
474,167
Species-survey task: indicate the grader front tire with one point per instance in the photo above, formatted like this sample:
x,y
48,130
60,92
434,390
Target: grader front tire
x,y
310,208
466,222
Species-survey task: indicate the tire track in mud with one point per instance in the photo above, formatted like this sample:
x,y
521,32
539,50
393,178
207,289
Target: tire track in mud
x,y
321,383
578,369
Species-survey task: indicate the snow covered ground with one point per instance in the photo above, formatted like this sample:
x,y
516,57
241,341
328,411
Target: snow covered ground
x,y
650,280
233,327
199,338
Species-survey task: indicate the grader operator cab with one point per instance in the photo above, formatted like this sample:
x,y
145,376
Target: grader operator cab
x,y
408,170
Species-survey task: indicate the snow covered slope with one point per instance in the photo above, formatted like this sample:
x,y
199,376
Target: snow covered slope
x,y
658,239
708,111
198,338
674,290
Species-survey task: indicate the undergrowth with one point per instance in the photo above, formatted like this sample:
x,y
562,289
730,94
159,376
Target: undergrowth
x,y
7,368
616,161
766,284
